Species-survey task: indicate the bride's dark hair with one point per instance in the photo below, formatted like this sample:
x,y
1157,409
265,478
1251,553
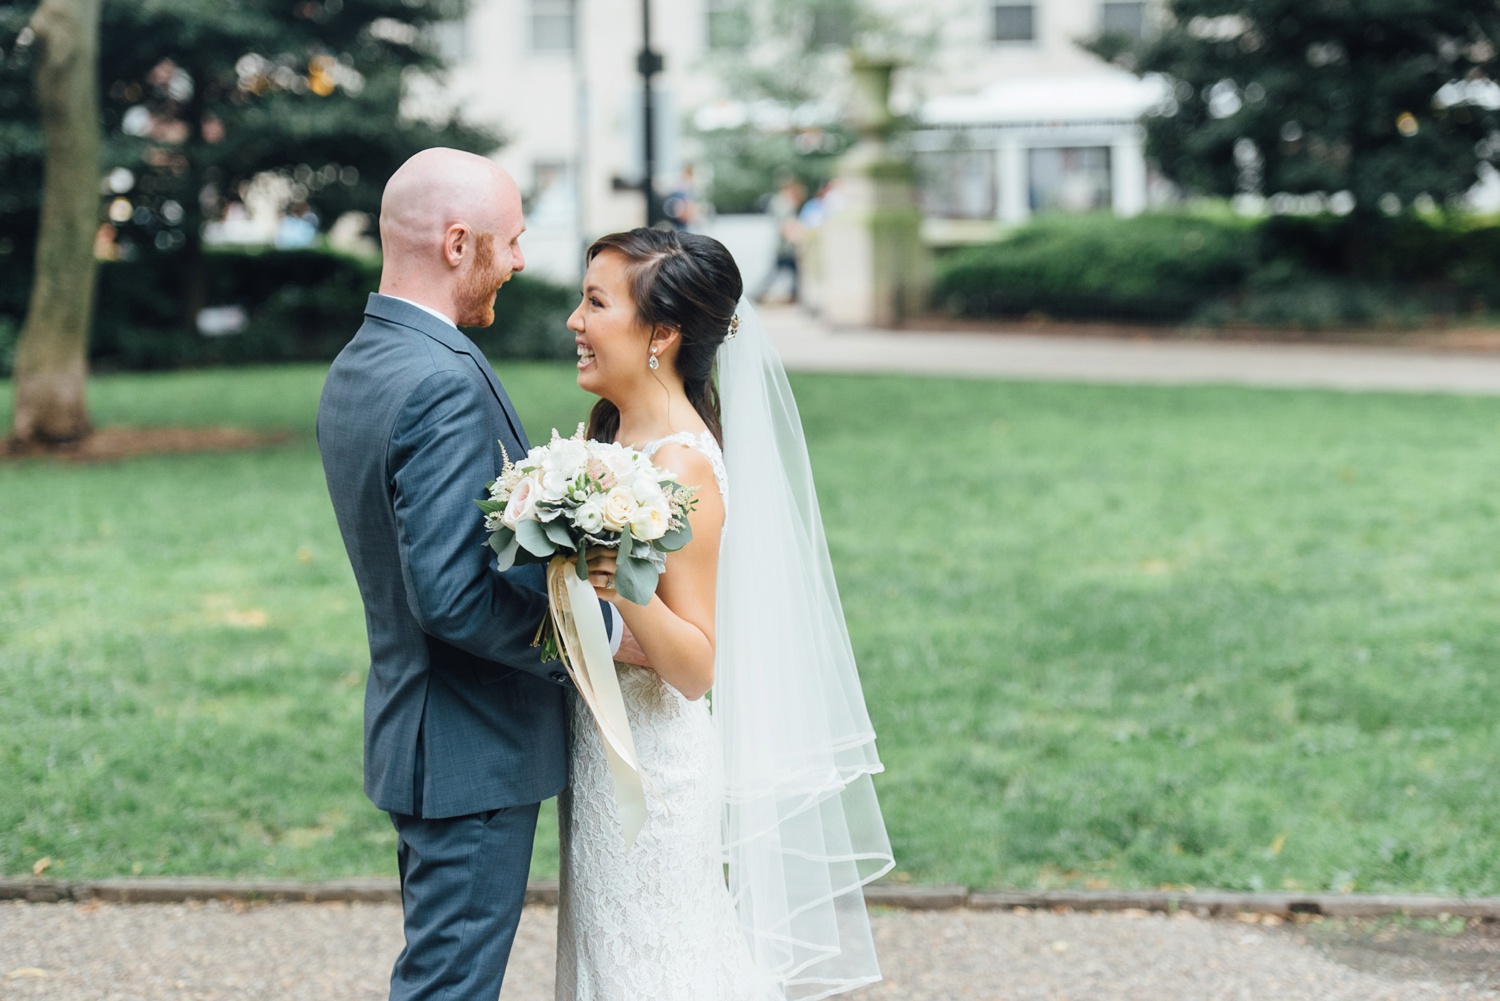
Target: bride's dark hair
x,y
687,282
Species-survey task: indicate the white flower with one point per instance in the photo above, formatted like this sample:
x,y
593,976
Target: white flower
x,y
619,508
620,462
554,485
647,491
565,456
650,522
590,515
522,503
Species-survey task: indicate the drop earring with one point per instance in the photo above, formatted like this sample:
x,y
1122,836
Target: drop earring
x,y
653,364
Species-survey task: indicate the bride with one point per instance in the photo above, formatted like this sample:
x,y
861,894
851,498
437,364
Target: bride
x,y
750,727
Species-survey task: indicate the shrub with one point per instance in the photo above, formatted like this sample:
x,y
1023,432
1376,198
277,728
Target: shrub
x,y
1325,303
299,305
1153,268
7,347
1283,271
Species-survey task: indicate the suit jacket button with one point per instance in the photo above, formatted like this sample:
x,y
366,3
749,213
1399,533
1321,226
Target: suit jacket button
x,y
558,676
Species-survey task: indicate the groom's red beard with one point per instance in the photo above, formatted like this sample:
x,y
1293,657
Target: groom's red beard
x,y
476,293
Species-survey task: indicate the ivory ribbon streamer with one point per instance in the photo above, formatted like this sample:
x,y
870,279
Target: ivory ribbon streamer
x,y
584,645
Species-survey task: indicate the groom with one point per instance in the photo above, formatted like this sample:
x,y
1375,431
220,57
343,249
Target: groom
x,y
465,727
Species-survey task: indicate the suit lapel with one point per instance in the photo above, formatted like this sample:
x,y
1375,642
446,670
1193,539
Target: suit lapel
x,y
396,311
478,358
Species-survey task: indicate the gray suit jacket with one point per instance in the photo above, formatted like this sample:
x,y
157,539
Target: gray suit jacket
x,y
408,428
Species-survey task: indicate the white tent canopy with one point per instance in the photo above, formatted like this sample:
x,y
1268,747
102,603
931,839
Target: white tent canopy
x,y
1102,96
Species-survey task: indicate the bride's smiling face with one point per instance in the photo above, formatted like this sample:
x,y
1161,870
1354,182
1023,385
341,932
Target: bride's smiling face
x,y
613,344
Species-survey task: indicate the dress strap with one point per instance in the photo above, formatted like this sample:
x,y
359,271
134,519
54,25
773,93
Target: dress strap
x,y
702,442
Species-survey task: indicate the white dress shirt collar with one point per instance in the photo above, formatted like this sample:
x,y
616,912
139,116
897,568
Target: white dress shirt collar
x,y
426,309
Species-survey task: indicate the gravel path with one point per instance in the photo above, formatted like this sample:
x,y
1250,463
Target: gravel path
x,y
807,345
290,952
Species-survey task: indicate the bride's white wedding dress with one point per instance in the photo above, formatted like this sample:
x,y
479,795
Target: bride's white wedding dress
x,y
655,923
762,826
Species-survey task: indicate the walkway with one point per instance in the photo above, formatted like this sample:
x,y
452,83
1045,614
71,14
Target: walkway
x,y
342,952
807,345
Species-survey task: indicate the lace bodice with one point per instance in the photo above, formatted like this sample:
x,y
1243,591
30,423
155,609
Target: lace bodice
x,y
654,923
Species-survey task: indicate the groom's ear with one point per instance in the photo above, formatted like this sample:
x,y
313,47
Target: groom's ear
x,y
457,244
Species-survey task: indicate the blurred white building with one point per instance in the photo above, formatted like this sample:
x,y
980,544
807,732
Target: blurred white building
x,y
1014,117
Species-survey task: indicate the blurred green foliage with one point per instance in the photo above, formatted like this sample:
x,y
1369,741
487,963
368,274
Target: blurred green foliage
x,y
1217,269
1155,268
299,305
200,96
1388,102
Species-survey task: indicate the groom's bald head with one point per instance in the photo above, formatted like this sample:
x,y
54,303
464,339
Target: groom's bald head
x,y
449,226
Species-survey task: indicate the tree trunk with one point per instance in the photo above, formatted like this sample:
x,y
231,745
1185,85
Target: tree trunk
x,y
51,364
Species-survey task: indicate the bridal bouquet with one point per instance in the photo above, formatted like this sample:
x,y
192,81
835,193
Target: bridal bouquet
x,y
552,507
573,494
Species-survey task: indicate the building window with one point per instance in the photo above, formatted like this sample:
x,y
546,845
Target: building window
x,y
957,184
1069,179
1128,19
728,24
1014,22
552,25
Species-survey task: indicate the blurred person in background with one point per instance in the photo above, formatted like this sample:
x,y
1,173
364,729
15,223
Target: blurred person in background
x,y
784,209
683,206
297,229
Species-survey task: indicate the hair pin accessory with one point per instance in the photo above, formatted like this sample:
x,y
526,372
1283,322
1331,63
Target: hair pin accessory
x,y
734,327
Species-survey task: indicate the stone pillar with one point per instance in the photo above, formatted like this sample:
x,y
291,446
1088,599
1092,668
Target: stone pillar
x,y
1127,168
1011,176
873,266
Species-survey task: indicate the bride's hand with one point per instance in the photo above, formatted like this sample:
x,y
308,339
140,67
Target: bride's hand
x,y
602,564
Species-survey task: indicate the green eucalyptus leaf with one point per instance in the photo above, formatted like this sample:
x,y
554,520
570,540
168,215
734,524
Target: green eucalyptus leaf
x,y
557,531
636,579
503,542
675,538
533,538
523,558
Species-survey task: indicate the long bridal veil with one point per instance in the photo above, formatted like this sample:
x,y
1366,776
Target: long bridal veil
x,y
802,829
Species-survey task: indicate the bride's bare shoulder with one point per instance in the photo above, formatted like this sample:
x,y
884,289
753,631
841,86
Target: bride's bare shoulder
x,y
692,466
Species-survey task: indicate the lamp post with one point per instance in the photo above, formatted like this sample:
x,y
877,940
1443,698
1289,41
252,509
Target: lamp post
x,y
648,63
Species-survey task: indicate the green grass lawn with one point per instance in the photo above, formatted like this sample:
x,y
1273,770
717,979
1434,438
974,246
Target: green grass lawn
x,y
1109,636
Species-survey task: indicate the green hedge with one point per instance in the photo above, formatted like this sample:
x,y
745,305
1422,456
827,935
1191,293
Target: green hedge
x,y
1155,268
1221,270
300,305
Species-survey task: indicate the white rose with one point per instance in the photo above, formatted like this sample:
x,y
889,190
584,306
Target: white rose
x,y
522,503
590,515
554,485
649,522
621,463
619,508
647,491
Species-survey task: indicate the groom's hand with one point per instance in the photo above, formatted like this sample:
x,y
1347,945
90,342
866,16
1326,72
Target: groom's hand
x,y
630,651
602,564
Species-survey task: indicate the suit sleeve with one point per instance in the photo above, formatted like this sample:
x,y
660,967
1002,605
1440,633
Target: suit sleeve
x,y
440,458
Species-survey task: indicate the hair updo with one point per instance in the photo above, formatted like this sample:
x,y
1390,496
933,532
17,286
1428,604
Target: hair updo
x,y
687,282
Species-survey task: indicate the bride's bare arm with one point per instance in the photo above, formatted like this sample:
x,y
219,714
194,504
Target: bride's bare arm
x,y
676,630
